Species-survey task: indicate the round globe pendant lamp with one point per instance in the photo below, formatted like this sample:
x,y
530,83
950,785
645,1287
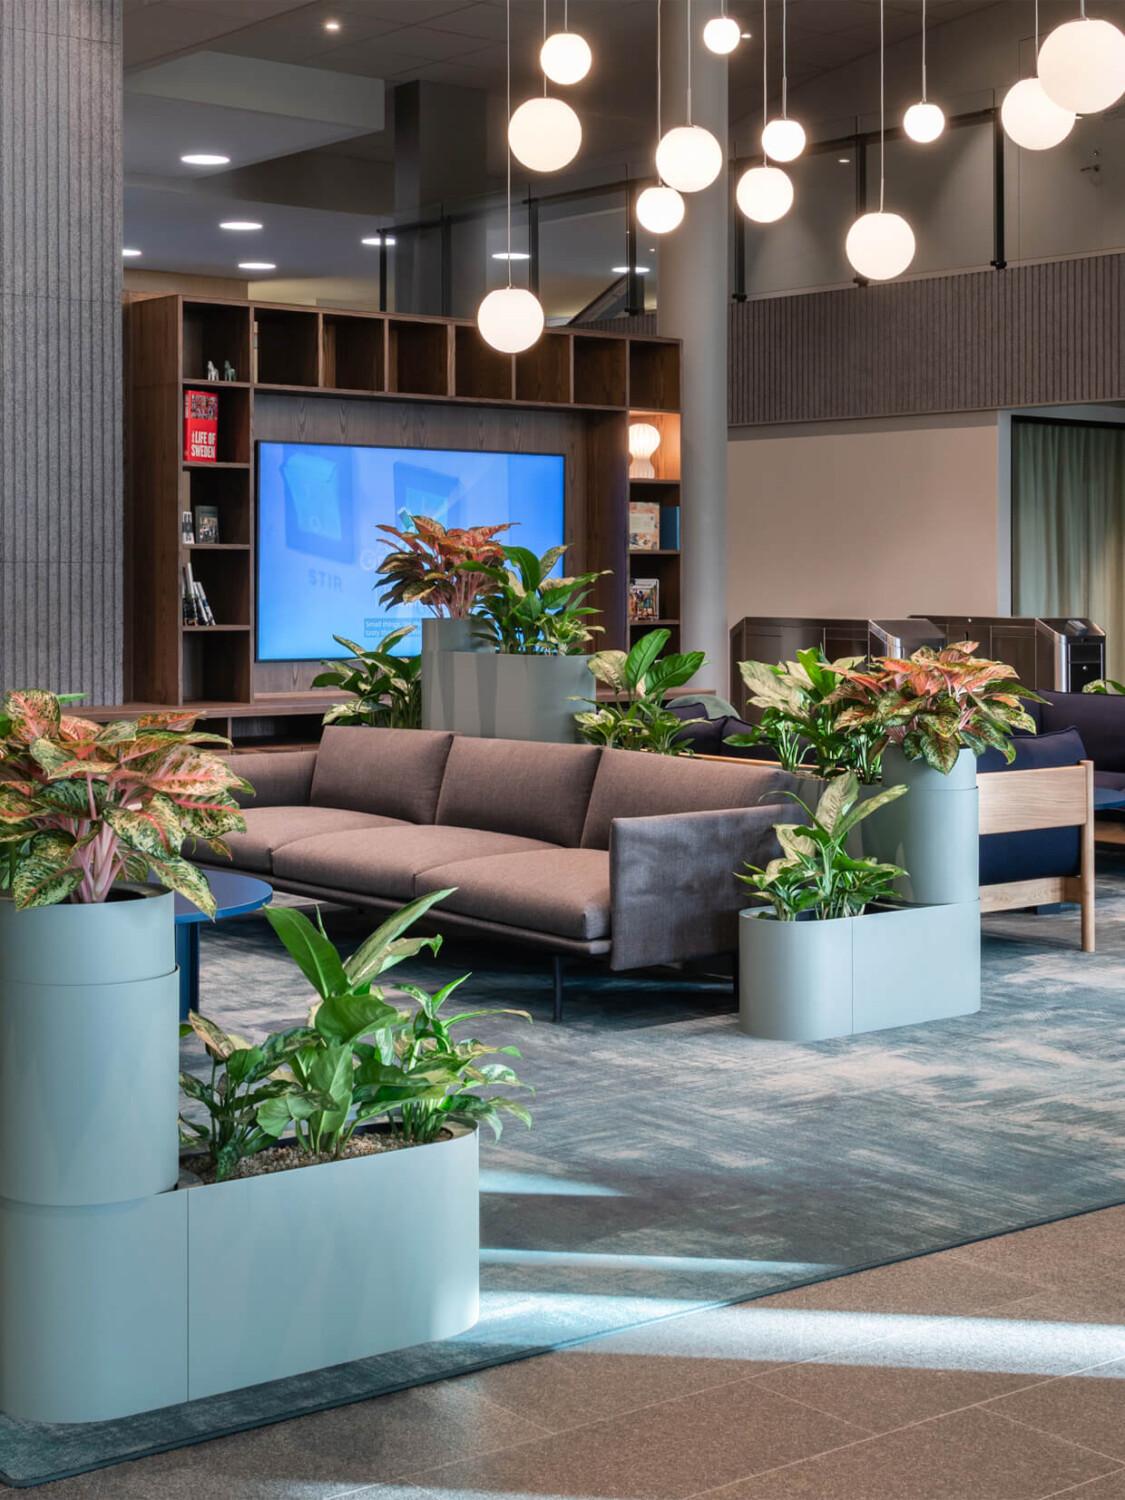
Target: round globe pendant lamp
x,y
722,33
510,318
765,193
689,158
545,134
565,56
1082,64
880,245
660,209
1030,117
783,139
924,121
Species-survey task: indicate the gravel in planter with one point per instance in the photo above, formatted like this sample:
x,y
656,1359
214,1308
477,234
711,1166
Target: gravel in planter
x,y
286,1158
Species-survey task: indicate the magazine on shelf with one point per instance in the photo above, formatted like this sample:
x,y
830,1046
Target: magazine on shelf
x,y
644,599
644,526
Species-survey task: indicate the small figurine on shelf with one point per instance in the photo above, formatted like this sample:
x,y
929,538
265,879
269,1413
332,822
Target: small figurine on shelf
x,y
212,370
228,370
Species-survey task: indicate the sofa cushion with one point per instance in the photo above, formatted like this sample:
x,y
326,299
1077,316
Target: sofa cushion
x,y
394,772
631,784
524,787
1099,719
562,891
385,861
1042,851
704,735
268,828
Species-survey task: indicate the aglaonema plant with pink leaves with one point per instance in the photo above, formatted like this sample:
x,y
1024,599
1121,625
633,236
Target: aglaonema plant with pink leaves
x,y
85,807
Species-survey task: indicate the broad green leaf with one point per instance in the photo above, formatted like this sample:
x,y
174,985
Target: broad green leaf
x,y
369,959
310,950
346,1016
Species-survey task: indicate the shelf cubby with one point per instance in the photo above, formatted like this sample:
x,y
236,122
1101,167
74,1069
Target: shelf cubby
x,y
228,490
480,372
233,446
225,576
543,371
666,459
600,370
218,332
418,357
216,665
353,352
286,347
654,375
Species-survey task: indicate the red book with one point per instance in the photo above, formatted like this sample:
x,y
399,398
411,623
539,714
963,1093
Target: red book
x,y
201,427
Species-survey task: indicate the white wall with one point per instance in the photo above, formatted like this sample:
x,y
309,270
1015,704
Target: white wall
x,y
887,517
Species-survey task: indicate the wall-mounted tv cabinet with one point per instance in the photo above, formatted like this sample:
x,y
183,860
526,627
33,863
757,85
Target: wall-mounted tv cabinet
x,y
304,374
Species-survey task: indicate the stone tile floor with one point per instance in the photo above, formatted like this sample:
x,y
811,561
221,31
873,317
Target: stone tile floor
x,y
991,1372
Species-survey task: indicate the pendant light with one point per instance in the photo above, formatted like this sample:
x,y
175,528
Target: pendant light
x,y
1029,116
565,56
880,245
689,158
544,134
660,209
722,33
1082,64
924,122
783,139
510,318
765,193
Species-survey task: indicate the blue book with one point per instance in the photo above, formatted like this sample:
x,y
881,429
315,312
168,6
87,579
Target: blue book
x,y
670,527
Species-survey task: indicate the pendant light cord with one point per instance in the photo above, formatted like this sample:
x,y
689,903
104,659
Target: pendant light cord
x,y
545,43
687,11
508,141
659,80
882,109
765,84
923,47
784,62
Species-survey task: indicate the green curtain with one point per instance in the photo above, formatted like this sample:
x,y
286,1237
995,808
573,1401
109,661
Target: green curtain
x,y
1068,526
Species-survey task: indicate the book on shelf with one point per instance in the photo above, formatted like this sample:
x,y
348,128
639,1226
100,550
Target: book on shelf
x,y
206,523
201,427
196,606
670,528
644,526
644,599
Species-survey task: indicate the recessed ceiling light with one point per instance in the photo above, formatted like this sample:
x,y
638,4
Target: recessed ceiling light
x,y
624,270
510,255
130,254
204,159
377,239
746,35
256,265
331,25
240,224
845,161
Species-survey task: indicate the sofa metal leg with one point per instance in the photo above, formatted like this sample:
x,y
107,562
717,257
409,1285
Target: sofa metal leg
x,y
558,975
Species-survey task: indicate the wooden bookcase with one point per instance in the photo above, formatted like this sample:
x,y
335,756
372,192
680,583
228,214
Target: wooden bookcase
x,y
330,375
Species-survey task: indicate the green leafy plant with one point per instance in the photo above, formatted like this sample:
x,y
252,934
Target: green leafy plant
x,y
84,806
801,716
643,721
440,566
386,689
815,876
528,612
935,704
1105,685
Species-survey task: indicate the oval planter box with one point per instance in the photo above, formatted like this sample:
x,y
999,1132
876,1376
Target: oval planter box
x,y
89,1051
440,638
120,1309
520,697
808,981
933,832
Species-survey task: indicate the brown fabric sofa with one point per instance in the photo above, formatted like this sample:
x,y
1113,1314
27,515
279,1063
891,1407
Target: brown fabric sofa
x,y
569,848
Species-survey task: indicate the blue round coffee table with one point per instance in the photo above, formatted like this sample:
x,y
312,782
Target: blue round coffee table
x,y
235,895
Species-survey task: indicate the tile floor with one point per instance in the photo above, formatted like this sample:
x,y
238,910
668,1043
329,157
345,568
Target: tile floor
x,y
993,1372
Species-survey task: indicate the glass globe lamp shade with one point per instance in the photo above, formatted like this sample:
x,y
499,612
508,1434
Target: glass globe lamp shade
x,y
689,158
644,439
1082,65
1031,119
924,122
565,57
722,34
510,319
544,134
660,209
783,140
880,246
764,194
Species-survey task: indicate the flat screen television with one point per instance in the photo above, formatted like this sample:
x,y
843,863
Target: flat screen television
x,y
318,547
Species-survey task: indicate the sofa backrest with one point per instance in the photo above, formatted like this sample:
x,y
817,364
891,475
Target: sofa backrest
x,y
529,788
1099,719
634,785
1040,852
394,772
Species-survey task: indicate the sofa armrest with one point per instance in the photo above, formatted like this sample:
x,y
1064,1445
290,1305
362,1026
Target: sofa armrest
x,y
672,888
280,778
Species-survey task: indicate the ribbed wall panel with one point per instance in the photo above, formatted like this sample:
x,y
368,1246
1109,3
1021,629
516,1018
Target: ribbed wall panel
x,y
61,521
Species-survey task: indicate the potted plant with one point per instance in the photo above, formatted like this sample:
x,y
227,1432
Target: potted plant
x,y
440,567
828,954
642,678
800,714
386,688
533,631
930,716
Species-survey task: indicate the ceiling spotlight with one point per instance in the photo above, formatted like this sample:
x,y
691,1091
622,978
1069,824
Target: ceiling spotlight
x,y
331,25
660,209
545,134
1082,65
565,57
130,254
721,35
204,159
377,239
1031,119
746,35
256,265
845,161
510,255
240,225
624,270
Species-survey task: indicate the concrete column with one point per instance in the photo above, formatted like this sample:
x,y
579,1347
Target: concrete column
x,y
692,306
61,505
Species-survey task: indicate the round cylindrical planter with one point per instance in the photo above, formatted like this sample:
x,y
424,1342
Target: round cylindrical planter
x,y
440,638
933,832
89,1051
795,978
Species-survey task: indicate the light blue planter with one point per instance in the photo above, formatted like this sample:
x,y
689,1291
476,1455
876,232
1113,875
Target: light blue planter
x,y
440,639
520,697
933,832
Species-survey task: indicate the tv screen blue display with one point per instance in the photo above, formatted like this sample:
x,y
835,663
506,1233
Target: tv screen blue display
x,y
318,548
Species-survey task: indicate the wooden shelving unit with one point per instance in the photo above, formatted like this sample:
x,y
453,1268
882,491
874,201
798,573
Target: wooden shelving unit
x,y
394,380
